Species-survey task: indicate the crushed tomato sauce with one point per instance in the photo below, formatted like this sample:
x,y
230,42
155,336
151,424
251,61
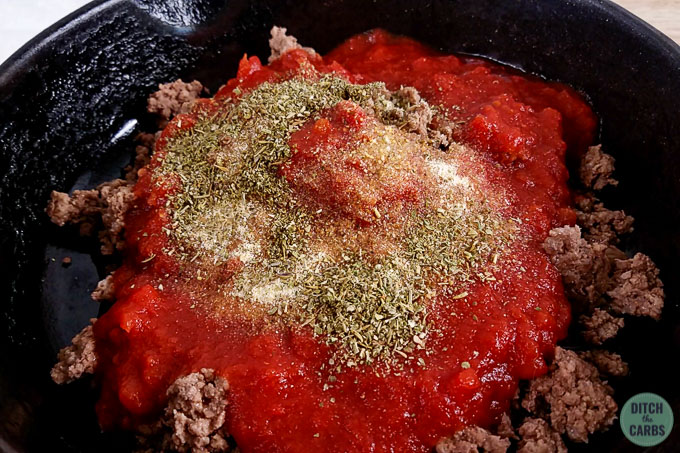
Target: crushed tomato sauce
x,y
483,343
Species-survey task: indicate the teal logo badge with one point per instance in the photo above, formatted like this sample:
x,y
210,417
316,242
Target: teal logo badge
x,y
646,419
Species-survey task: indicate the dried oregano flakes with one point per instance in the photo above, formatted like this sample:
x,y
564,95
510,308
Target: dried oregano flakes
x,y
234,205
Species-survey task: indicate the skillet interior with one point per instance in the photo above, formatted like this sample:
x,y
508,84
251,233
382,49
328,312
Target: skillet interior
x,y
69,100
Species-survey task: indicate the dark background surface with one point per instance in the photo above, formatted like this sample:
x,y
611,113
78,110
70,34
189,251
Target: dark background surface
x,y
72,100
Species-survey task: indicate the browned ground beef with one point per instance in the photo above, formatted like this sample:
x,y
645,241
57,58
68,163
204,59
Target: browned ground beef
x,y
584,266
407,109
473,439
143,153
81,208
107,203
536,436
597,168
174,98
600,326
77,359
416,113
505,428
195,413
280,43
591,270
636,288
104,290
599,223
607,363
572,397
117,197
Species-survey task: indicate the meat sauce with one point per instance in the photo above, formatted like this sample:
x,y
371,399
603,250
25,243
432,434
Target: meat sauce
x,y
500,333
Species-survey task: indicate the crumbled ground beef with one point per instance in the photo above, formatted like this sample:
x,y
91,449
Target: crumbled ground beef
x,y
584,266
572,397
77,359
608,363
599,223
505,428
516,403
600,326
596,274
117,197
636,288
280,43
614,253
104,290
473,439
596,169
408,110
107,203
536,436
196,413
599,279
81,208
174,98
417,113
146,139
442,131
142,156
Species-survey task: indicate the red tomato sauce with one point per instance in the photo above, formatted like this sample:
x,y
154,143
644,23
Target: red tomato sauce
x,y
501,333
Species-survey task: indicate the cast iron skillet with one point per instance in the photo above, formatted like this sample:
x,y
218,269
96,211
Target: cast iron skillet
x,y
72,99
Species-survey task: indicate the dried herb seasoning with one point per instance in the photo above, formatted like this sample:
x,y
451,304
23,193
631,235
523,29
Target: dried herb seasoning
x,y
233,204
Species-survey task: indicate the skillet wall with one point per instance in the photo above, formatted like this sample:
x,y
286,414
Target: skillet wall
x,y
65,95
